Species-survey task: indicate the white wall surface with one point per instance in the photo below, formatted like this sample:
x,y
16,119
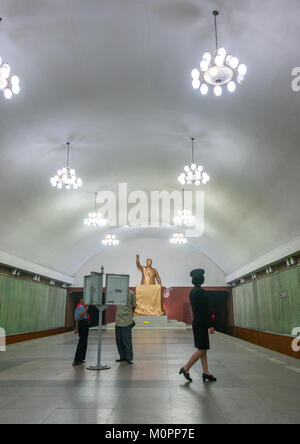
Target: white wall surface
x,y
173,263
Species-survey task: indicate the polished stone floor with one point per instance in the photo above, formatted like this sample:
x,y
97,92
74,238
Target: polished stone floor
x,y
255,385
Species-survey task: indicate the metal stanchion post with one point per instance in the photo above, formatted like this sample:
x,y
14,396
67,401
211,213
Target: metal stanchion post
x,y
99,366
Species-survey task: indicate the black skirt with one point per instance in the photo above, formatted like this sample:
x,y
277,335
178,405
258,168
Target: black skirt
x,y
201,337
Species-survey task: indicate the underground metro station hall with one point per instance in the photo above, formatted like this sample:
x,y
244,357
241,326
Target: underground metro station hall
x,y
149,213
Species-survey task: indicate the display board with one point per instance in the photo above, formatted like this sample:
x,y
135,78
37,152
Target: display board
x,y
117,287
93,289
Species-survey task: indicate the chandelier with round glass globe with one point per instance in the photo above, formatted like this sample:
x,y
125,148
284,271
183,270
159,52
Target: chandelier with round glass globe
x,y
193,174
110,240
185,218
66,177
95,218
9,82
178,239
218,69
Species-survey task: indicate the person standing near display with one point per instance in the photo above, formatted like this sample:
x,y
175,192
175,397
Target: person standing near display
x,y
124,324
82,328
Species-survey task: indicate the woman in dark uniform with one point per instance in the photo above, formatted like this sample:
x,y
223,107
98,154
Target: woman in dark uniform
x,y
203,321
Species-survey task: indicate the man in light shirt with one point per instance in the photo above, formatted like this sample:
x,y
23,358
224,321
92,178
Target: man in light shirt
x,y
124,324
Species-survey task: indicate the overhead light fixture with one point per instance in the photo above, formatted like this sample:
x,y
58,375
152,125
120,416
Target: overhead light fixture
x,y
66,177
110,240
15,272
95,218
64,285
178,239
184,217
290,261
193,174
242,280
9,83
269,269
52,282
36,278
253,276
218,68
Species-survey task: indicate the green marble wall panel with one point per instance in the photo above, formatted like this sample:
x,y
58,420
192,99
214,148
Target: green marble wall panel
x,y
27,306
258,305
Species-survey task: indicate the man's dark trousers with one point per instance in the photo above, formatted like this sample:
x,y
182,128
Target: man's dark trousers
x,y
83,331
124,342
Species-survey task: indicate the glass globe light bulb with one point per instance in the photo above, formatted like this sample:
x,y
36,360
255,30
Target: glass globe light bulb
x,y
5,70
204,89
8,93
3,83
231,86
233,63
196,83
218,90
242,69
15,80
222,52
240,79
207,56
16,89
219,60
204,65
195,74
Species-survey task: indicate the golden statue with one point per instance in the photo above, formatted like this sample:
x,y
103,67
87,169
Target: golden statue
x,y
148,294
150,275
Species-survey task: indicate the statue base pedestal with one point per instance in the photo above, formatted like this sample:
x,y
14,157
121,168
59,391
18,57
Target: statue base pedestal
x,y
149,300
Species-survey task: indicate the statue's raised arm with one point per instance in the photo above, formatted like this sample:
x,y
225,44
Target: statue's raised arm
x,y
138,264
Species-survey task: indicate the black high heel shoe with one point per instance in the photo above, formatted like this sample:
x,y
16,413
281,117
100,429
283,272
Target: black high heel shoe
x,y
209,378
185,374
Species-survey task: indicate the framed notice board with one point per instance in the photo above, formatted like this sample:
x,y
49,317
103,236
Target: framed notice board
x,y
117,287
93,289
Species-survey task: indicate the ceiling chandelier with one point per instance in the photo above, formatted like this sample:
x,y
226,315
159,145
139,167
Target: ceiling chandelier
x,y
193,174
110,240
95,218
9,83
66,176
218,68
178,239
184,218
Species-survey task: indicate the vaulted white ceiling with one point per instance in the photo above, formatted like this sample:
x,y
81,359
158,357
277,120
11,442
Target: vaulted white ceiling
x,y
113,77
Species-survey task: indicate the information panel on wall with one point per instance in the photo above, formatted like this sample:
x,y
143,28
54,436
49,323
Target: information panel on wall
x,y
117,287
